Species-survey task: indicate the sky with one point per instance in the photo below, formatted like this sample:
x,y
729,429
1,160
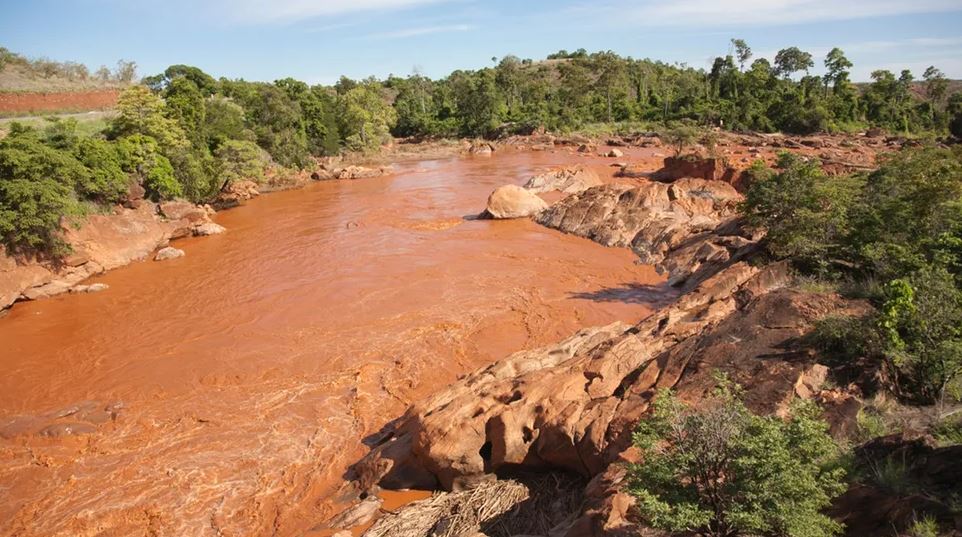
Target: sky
x,y
319,40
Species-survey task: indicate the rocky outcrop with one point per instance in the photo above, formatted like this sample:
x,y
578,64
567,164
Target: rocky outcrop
x,y
329,171
168,253
479,147
573,405
236,193
359,172
567,180
103,242
930,475
711,169
512,201
685,228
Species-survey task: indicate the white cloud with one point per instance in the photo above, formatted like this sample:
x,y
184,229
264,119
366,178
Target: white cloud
x,y
423,30
284,11
715,13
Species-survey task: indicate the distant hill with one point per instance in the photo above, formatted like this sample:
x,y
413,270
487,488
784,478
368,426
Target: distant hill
x,y
40,75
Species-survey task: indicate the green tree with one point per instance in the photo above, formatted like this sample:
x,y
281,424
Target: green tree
x,y
726,472
742,52
922,319
366,117
140,157
805,213
241,161
36,191
141,112
791,60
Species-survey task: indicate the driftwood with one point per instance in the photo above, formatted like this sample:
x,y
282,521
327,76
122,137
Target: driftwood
x,y
494,508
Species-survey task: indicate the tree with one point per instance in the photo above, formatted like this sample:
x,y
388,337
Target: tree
x,y
241,161
141,112
126,71
836,68
922,321
792,60
742,52
805,213
140,157
36,191
935,85
725,472
954,110
366,118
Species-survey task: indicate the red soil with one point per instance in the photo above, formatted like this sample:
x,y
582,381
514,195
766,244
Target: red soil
x,y
57,102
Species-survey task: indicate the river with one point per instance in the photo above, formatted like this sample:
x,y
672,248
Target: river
x,y
226,392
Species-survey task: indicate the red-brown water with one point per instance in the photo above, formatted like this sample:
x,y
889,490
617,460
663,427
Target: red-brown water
x,y
226,392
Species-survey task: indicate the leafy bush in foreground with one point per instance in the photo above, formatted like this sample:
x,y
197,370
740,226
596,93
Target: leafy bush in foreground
x,y
725,472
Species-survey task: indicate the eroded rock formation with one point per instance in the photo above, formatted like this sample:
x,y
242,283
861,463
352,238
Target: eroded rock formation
x,y
102,243
684,228
567,180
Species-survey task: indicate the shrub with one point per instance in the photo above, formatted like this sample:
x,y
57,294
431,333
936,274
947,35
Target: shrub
x,y
239,161
140,156
680,138
805,212
105,180
724,471
30,213
921,321
36,190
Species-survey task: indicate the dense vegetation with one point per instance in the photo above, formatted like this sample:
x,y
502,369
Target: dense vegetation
x,y
896,233
723,471
186,134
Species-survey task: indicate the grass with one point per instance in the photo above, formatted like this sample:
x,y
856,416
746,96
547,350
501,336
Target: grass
x,y
88,124
926,526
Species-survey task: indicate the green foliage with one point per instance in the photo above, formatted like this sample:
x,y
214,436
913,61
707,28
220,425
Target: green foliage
x,y
105,180
949,431
921,320
36,189
805,212
724,471
366,117
239,161
224,121
140,156
141,112
681,137
926,526
901,225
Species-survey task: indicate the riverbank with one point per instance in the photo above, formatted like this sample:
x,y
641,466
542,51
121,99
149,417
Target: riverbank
x,y
106,241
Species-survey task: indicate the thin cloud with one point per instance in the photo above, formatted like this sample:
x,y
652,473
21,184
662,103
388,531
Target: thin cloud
x,y
728,13
288,11
424,30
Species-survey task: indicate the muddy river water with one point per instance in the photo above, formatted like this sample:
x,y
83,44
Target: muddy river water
x,y
226,392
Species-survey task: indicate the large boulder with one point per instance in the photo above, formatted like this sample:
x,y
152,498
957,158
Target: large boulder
x,y
568,180
512,201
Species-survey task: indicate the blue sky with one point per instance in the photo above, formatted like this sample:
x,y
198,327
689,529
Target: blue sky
x,y
318,40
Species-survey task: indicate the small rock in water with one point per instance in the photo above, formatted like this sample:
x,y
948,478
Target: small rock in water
x,y
209,228
92,288
168,253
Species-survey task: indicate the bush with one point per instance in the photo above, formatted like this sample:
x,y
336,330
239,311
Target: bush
x,y
239,161
105,182
140,156
725,472
921,321
36,190
804,212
